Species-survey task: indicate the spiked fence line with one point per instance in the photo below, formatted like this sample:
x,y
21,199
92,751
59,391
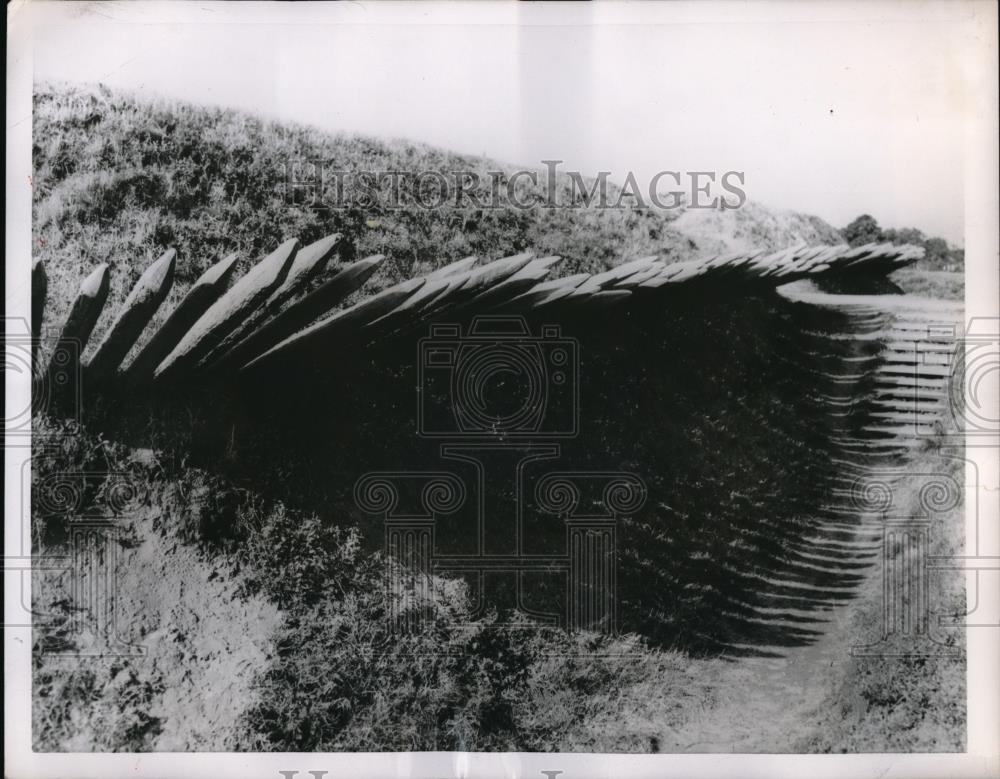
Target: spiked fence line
x,y
278,308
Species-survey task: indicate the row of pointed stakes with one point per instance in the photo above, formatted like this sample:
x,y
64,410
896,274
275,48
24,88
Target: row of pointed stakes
x,y
216,327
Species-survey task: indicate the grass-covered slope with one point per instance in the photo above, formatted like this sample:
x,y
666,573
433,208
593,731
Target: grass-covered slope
x,y
752,228
266,629
119,179
247,568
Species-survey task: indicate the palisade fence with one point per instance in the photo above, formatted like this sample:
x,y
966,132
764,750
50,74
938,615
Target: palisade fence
x,y
883,383
296,297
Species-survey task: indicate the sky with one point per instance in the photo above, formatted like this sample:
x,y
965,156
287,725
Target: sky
x,y
837,110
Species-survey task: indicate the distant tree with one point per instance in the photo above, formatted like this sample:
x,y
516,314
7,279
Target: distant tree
x,y
862,230
903,235
936,253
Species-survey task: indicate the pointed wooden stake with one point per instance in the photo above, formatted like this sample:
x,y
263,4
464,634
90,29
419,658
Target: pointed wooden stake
x,y
145,298
303,312
39,289
205,291
63,374
227,312
308,263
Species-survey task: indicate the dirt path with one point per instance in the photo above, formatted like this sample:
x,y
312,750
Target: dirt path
x,y
774,704
205,642
769,704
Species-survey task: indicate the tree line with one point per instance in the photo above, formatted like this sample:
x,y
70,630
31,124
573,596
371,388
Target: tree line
x,y
937,254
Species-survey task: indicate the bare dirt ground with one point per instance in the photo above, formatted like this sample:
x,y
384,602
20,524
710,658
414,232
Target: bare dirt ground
x,y
208,642
768,704
205,643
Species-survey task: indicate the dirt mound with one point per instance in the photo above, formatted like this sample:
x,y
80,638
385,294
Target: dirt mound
x,y
204,641
752,227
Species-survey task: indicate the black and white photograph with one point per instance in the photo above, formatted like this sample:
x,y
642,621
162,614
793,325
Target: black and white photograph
x,y
461,389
